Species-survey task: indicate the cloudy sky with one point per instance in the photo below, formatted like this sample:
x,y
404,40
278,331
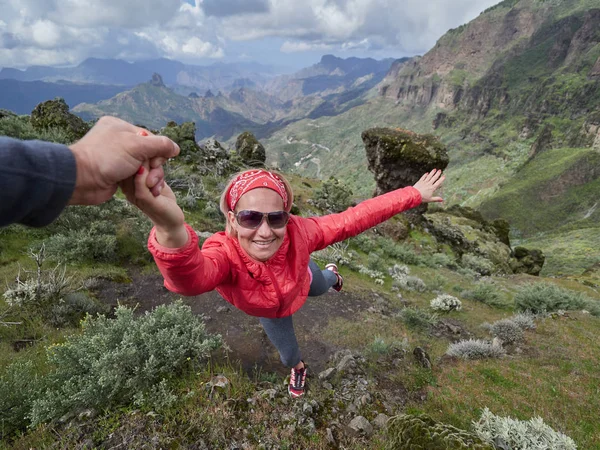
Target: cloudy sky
x,y
292,33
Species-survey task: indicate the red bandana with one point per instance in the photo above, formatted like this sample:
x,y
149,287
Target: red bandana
x,y
253,179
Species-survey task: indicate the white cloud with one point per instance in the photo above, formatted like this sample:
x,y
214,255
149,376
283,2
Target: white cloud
x,y
295,47
67,31
45,34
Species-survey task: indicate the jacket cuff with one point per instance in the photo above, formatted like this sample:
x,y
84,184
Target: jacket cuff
x,y
162,252
414,191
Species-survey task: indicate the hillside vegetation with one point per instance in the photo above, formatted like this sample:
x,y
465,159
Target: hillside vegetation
x,y
418,344
519,83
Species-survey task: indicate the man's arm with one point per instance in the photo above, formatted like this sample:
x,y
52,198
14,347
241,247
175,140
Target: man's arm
x,y
37,180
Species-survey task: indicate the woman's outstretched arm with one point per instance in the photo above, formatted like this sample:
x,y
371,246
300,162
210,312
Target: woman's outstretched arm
x,y
186,269
326,230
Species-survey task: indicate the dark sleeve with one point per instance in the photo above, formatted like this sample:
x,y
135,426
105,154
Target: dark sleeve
x,y
37,180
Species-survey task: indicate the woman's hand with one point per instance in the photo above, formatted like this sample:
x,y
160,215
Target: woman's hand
x,y
160,205
428,184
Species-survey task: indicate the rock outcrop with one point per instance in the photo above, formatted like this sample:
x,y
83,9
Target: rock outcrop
x,y
55,114
250,150
399,158
527,261
183,135
157,80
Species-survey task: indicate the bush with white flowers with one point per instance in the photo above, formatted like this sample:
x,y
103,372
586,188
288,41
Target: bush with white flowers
x,y
445,302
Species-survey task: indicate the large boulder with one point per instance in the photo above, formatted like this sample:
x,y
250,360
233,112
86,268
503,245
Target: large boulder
x,y
399,158
55,114
250,150
527,261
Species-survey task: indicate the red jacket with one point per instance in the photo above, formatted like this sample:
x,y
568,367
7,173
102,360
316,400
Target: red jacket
x,y
279,286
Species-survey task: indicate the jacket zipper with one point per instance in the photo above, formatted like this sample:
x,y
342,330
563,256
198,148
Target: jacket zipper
x,y
276,285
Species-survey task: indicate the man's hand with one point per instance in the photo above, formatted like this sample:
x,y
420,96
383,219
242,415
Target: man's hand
x,y
428,184
112,151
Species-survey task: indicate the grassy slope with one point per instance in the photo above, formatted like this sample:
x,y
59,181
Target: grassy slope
x,y
455,392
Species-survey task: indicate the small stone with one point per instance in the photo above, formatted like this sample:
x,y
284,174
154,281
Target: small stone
x,y
330,437
453,328
365,399
346,363
223,309
307,409
360,424
422,357
311,428
380,421
352,409
269,394
496,342
327,373
328,386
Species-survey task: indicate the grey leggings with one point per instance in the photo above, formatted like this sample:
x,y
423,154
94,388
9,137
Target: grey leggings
x,y
281,331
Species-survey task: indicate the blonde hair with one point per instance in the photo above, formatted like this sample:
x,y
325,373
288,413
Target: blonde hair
x,y
224,207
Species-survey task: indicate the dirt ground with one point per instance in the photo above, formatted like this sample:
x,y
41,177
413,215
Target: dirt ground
x,y
243,333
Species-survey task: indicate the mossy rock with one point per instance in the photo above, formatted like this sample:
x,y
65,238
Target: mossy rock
x,y
421,432
466,235
55,114
400,157
530,261
184,135
250,150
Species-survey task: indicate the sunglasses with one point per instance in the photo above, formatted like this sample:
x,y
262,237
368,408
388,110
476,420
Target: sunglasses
x,y
254,219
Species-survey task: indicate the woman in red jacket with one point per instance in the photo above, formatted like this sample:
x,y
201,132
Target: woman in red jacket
x,y
261,262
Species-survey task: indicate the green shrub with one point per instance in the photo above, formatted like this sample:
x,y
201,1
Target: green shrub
x,y
475,349
375,262
546,297
478,264
421,432
410,283
435,260
380,347
19,386
532,434
485,293
110,232
115,361
333,196
364,242
417,318
212,211
82,246
402,253
437,283
73,307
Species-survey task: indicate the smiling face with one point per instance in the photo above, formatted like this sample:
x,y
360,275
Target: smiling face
x,y
263,242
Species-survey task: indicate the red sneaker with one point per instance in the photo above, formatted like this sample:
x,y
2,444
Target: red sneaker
x,y
340,281
297,381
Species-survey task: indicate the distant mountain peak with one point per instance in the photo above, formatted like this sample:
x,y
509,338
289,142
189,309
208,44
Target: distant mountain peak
x,y
157,80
